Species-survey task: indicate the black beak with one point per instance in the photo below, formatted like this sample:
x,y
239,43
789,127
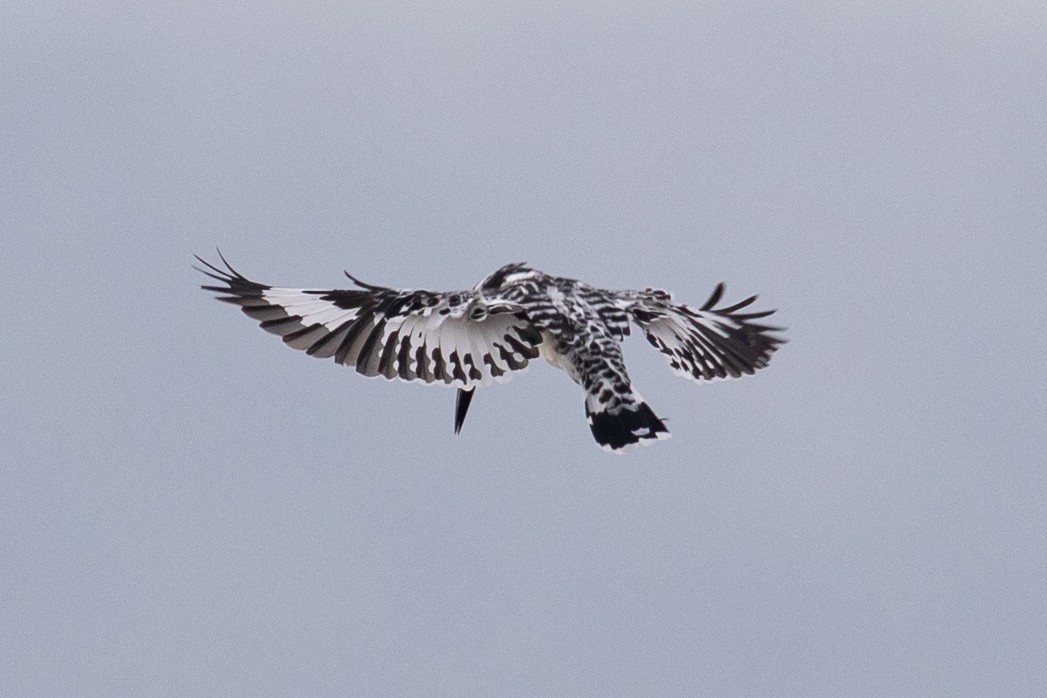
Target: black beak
x,y
461,406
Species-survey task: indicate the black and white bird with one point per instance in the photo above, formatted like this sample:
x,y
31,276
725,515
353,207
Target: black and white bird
x,y
469,339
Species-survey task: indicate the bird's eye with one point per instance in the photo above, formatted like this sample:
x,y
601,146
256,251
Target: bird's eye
x,y
478,313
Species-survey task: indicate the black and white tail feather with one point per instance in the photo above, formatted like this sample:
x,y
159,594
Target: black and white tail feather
x,y
469,339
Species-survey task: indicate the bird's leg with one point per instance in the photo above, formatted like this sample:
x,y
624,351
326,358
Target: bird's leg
x,y
461,406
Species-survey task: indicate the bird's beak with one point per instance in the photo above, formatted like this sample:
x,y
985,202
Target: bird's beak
x,y
461,406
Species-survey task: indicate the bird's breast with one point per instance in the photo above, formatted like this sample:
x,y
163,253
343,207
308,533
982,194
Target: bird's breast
x,y
552,351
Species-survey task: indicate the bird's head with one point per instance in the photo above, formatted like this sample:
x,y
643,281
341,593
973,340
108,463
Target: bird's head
x,y
508,274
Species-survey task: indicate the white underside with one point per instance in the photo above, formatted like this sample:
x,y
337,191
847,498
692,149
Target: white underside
x,y
547,352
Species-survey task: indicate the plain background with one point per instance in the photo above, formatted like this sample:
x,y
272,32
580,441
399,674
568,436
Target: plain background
x,y
189,508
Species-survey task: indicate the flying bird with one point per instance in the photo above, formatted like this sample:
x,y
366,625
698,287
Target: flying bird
x,y
469,339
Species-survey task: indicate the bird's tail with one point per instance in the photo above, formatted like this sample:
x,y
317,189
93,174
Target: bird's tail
x,y
623,426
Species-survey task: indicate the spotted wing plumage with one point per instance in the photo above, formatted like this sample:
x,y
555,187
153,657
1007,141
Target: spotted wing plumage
x,y
421,336
708,343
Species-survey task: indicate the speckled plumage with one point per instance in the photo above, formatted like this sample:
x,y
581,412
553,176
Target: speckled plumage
x,y
468,339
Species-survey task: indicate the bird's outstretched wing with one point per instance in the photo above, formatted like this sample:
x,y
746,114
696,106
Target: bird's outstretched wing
x,y
442,338
707,343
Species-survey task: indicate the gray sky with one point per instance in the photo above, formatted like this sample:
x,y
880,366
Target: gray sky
x,y
189,508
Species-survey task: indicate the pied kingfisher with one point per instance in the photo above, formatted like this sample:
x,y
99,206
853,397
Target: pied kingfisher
x,y
468,339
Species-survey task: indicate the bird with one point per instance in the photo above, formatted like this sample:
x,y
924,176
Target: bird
x,y
471,339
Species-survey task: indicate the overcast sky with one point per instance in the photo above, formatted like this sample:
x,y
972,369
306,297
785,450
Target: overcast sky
x,y
189,508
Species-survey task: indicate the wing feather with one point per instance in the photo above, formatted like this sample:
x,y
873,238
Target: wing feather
x,y
706,344
414,336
